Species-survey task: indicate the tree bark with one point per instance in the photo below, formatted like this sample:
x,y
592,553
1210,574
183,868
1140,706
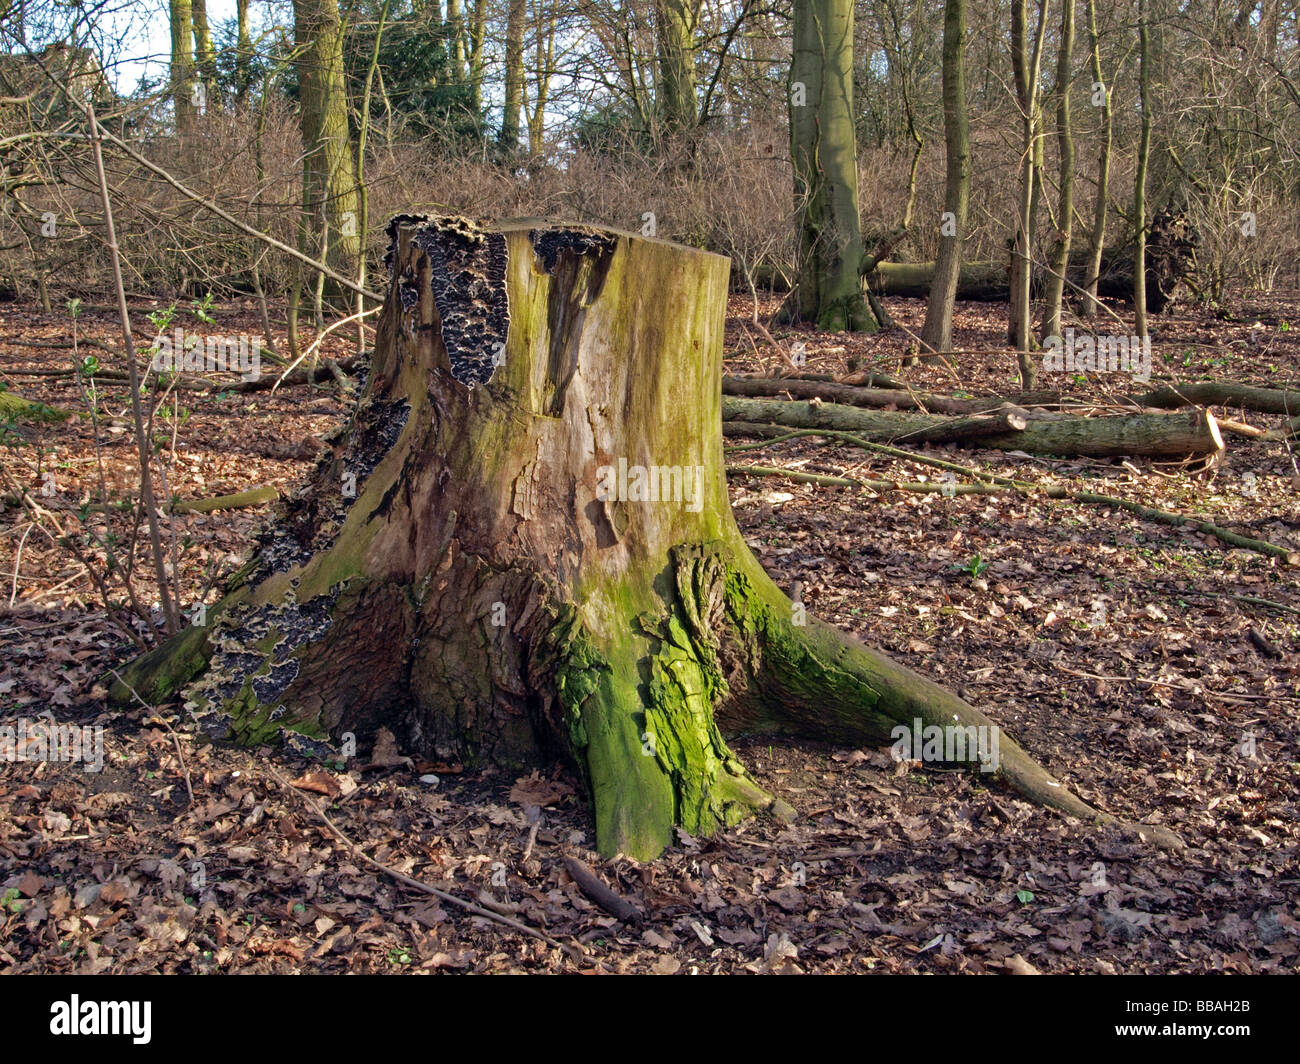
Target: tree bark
x,y
1026,65
514,79
463,570
1140,178
182,65
205,55
879,398
243,52
1223,393
936,334
329,169
676,20
1060,259
1168,262
823,149
980,281
1097,236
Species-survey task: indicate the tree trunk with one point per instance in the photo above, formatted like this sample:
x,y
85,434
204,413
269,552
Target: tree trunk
x,y
205,56
476,57
456,50
182,65
823,149
1169,260
536,561
937,331
543,70
980,281
1140,178
1223,393
1097,238
676,20
329,168
243,52
1060,259
881,398
508,141
1026,65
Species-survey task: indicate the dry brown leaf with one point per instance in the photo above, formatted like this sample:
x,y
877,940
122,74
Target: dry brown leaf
x,y
533,790
319,782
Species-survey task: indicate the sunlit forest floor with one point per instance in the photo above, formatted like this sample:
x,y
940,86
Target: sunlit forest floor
x,y
1119,652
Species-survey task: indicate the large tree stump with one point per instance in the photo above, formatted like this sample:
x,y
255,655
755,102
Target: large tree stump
x,y
521,550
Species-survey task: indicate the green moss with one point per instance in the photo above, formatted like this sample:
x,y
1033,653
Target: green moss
x,y
810,684
20,409
710,787
159,675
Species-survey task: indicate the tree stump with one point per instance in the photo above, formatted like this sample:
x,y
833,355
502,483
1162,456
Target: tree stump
x,y
521,551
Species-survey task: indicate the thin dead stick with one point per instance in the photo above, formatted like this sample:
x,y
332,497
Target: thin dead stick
x,y
1186,687
1250,600
990,484
18,561
147,502
416,884
532,836
157,718
315,344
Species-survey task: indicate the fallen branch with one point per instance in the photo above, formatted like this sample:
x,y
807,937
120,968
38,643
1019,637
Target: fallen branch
x,y
991,484
590,885
416,884
20,409
1222,393
1180,435
251,497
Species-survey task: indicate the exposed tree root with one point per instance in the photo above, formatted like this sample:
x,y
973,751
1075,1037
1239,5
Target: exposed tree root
x,y
814,681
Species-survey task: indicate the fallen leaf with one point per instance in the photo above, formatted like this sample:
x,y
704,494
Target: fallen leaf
x,y
319,782
533,790
1017,965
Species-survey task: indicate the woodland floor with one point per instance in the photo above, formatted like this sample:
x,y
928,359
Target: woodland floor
x,y
1107,646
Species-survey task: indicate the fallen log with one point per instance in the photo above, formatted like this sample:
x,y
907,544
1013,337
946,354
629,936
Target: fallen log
x,y
1171,249
878,398
984,282
1222,393
989,282
1170,435
20,409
